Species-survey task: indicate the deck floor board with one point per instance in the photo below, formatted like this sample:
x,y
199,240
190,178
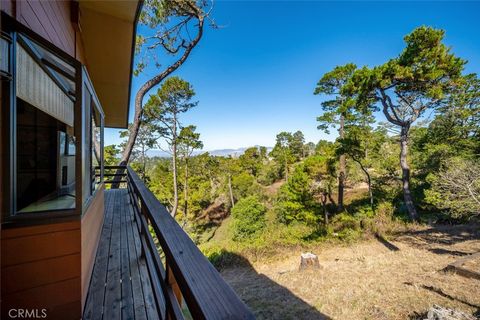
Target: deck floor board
x,y
120,285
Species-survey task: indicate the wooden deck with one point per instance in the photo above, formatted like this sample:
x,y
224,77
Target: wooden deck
x,y
120,287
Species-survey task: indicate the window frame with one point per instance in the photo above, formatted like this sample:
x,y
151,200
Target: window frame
x,y
14,31
86,199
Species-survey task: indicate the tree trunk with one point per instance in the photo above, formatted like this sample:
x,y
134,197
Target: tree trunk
x,y
324,205
286,169
230,190
174,169
185,191
407,196
341,166
127,152
369,180
370,192
332,201
144,165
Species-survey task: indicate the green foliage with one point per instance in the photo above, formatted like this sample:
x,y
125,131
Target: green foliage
x,y
417,80
244,185
295,200
188,141
297,144
345,227
269,172
110,154
162,109
248,218
380,222
443,157
221,258
144,142
174,27
334,83
251,160
161,181
457,123
288,149
456,188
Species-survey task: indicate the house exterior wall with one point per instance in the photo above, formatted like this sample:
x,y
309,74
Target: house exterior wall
x,y
91,228
51,20
41,269
48,265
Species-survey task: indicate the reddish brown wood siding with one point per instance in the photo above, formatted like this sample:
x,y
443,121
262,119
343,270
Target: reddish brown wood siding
x,y
7,6
40,268
49,265
50,19
91,227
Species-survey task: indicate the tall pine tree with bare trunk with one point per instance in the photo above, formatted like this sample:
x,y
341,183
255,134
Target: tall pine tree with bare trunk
x,y
188,141
336,113
162,112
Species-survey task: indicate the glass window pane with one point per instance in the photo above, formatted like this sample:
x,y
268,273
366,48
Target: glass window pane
x,y
96,149
45,161
4,55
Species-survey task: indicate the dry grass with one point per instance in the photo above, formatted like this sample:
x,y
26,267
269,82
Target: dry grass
x,y
473,264
366,280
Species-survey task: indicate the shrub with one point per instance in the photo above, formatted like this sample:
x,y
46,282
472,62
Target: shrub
x,y
244,185
248,218
269,173
383,218
222,258
455,188
295,202
345,227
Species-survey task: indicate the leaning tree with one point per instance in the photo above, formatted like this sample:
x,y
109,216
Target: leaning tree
x,y
175,27
418,80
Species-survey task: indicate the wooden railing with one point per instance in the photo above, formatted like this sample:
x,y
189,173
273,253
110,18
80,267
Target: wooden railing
x,y
112,174
182,272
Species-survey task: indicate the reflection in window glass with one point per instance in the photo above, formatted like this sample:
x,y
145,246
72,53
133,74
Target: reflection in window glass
x,y
96,150
45,161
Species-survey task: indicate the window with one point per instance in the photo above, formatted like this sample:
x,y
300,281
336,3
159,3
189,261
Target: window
x,y
93,140
52,128
45,161
5,56
97,149
44,128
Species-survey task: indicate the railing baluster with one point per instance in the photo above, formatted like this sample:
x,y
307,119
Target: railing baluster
x,y
170,279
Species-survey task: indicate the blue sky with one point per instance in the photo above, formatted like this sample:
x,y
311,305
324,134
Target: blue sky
x,y
255,76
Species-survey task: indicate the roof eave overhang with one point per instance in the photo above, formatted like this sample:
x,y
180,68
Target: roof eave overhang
x,y
108,31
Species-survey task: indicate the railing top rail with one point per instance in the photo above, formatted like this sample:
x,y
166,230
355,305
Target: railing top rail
x,y
113,167
208,296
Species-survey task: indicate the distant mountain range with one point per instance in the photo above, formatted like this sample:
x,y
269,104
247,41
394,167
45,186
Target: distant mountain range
x,y
218,152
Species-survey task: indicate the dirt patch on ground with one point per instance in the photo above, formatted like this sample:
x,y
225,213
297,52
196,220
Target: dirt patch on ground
x,y
272,189
367,280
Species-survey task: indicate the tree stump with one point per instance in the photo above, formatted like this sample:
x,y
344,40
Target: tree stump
x,y
309,260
